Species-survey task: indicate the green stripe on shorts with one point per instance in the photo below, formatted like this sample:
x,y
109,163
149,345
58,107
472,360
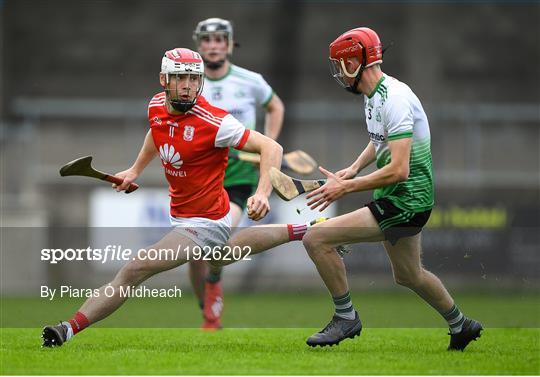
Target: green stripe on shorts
x,y
398,219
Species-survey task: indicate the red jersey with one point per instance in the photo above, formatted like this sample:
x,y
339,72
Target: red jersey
x,y
194,149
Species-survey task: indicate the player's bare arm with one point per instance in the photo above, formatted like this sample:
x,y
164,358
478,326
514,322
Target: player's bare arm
x,y
396,171
275,111
366,158
146,154
335,187
271,153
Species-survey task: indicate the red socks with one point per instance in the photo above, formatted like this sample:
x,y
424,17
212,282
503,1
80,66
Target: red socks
x,y
79,322
296,231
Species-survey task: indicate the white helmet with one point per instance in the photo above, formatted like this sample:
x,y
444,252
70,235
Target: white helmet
x,y
182,61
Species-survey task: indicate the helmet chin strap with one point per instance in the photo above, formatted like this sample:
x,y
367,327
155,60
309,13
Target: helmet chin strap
x,y
214,66
182,106
354,88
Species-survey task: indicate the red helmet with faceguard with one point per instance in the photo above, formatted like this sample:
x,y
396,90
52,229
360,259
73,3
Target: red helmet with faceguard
x,y
361,43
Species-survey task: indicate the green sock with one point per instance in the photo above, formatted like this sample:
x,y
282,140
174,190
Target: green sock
x,y
455,319
344,306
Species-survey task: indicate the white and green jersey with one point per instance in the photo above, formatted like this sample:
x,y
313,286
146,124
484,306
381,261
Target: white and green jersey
x,y
240,92
394,112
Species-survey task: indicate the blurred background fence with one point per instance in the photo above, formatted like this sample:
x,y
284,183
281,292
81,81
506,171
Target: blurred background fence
x,y
77,76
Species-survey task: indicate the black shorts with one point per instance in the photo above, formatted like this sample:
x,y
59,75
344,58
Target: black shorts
x,y
239,194
396,223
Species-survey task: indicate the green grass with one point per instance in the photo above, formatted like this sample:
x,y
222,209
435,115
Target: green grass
x,y
395,308
269,351
265,334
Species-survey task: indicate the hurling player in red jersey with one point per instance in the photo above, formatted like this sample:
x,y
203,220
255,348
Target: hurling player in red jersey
x,y
192,139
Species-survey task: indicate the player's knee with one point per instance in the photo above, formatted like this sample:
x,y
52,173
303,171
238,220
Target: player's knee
x,y
137,271
310,242
409,279
315,244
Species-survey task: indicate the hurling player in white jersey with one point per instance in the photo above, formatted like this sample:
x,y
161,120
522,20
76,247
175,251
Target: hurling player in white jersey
x,y
403,196
194,159
403,193
240,92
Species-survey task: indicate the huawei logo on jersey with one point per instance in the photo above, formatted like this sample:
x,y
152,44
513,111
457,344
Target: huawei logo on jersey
x,y
170,156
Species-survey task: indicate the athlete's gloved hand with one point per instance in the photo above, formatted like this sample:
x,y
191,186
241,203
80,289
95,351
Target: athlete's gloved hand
x,y
257,207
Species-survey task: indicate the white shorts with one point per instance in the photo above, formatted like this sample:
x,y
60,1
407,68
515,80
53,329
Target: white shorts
x,y
203,231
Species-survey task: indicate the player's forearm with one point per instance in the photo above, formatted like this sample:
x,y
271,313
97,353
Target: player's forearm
x,y
385,176
271,155
274,118
366,158
146,154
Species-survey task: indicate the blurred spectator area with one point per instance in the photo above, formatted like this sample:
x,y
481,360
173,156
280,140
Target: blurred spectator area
x,y
77,77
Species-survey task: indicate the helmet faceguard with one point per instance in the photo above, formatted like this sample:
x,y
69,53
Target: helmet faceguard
x,y
184,64
212,26
360,43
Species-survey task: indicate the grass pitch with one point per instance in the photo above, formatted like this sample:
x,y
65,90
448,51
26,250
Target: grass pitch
x,y
266,347
269,351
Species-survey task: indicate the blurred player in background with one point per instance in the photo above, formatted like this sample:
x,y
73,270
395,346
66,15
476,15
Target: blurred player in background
x,y
240,92
192,139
